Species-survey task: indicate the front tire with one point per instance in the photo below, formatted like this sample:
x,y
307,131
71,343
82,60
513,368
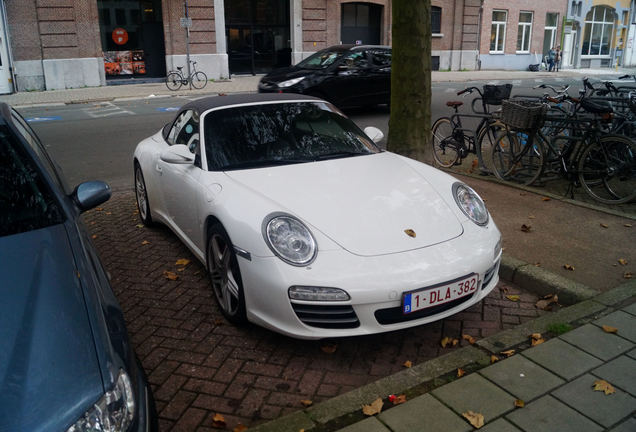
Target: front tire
x,y
141,193
173,81
225,275
199,80
444,146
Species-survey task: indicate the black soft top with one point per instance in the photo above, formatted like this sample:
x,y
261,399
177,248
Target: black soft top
x,y
204,104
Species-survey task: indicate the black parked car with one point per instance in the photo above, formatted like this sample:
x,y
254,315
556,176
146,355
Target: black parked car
x,y
345,75
66,364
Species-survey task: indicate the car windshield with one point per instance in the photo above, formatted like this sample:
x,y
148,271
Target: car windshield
x,y
320,60
280,134
26,203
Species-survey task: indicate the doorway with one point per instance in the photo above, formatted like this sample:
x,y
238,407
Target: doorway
x,y
569,49
6,81
258,35
361,23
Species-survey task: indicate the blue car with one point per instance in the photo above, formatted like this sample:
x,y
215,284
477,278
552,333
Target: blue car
x,y
66,363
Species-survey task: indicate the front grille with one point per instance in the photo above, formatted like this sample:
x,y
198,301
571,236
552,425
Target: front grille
x,y
327,316
488,276
394,315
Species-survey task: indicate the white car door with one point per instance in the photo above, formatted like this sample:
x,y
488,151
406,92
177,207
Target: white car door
x,y
180,182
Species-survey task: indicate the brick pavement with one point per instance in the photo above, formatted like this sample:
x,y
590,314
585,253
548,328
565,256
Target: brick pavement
x,y
199,364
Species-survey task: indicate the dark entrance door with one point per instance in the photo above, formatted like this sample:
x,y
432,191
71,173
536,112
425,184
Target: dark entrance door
x,y
132,38
361,23
258,37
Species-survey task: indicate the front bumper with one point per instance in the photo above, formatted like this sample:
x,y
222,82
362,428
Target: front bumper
x,y
375,285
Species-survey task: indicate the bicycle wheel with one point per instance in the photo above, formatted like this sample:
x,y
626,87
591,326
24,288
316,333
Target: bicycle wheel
x,y
173,81
444,146
486,141
199,80
518,157
607,169
503,155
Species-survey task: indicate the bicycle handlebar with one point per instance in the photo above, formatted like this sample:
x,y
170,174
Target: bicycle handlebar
x,y
556,91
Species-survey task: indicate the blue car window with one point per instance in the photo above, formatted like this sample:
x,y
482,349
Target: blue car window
x,y
26,201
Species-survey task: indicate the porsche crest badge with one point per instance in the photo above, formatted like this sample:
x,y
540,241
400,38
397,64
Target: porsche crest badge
x,y
409,232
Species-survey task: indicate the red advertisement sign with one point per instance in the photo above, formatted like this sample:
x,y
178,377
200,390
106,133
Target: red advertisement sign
x,y
120,36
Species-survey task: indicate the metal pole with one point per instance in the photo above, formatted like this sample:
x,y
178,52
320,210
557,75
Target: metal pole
x,y
185,5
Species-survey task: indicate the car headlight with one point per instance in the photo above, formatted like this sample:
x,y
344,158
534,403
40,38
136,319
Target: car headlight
x,y
312,293
289,239
290,82
470,203
113,412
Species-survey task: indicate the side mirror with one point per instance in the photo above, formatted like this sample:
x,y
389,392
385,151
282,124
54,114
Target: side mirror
x,y
90,194
374,133
178,154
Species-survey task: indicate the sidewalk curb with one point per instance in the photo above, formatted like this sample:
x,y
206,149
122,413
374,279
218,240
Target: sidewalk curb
x,y
347,406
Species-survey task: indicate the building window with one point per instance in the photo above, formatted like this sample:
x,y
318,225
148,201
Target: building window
x,y
525,32
599,28
498,31
549,36
436,20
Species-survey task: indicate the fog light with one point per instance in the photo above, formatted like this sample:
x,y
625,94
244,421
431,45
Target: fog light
x,y
497,249
310,293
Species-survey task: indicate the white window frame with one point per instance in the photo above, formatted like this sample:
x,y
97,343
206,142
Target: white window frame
x,y
526,28
500,25
551,29
604,26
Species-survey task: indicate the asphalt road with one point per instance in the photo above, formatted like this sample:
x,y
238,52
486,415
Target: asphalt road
x,y
97,140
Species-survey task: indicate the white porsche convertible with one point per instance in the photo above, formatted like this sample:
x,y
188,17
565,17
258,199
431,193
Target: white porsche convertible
x,y
305,226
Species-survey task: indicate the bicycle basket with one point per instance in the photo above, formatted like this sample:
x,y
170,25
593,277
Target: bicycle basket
x,y
495,94
523,115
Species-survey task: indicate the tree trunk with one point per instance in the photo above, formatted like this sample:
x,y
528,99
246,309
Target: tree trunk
x,y
410,121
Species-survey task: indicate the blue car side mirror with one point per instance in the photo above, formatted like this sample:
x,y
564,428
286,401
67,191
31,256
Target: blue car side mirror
x,y
90,194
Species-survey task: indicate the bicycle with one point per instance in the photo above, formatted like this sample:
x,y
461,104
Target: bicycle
x,y
452,142
175,79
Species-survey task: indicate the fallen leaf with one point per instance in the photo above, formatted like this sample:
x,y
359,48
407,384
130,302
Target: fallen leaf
x,y
622,261
240,428
94,236
218,322
493,358
536,336
605,225
218,421
180,269
471,340
139,225
568,267
108,213
145,242
519,403
329,348
546,302
627,225
374,408
475,419
536,342
526,228
460,372
537,264
504,290
604,386
399,399
170,275
447,341
182,262
92,222
455,342
628,275
306,402
407,364
513,297
507,353
531,217
546,199
99,208
522,194
609,329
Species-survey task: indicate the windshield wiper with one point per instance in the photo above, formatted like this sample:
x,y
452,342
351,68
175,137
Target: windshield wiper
x,y
340,154
261,164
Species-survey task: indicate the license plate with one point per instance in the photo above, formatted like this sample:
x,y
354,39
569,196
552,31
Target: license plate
x,y
414,301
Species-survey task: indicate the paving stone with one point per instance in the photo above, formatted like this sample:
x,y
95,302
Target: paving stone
x,y
630,309
603,409
368,425
620,372
632,353
561,358
549,415
626,426
595,341
477,394
500,425
624,322
423,411
521,377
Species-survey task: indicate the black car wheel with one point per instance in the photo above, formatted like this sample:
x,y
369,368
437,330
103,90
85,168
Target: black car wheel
x,y
142,197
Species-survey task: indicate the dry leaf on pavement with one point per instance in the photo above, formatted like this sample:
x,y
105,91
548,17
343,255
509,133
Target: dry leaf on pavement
x,y
513,297
610,329
604,386
494,358
145,242
546,199
240,428
218,421
329,348
374,408
471,340
99,209
526,228
94,236
519,403
627,225
306,402
568,267
170,275
537,339
182,262
531,217
605,225
622,261
460,372
628,275
407,364
139,225
546,302
447,341
399,399
507,353
475,419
